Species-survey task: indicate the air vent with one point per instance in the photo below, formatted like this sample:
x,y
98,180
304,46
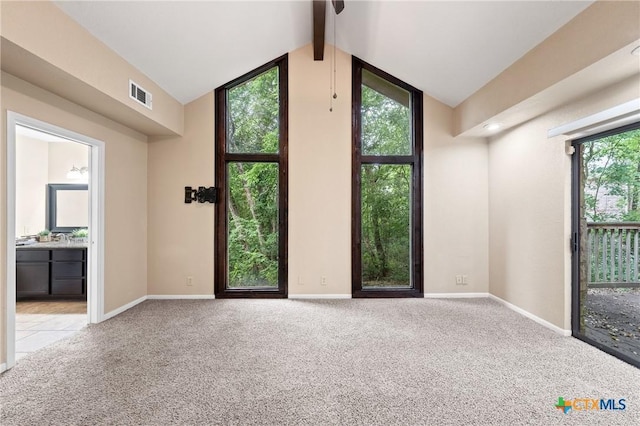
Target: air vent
x,y
140,95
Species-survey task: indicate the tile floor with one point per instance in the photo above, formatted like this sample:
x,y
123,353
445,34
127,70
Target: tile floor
x,y
35,331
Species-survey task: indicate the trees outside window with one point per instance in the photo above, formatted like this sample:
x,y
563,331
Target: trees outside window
x,y
387,185
251,165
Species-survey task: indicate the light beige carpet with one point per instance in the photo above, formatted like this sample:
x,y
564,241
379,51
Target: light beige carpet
x,y
275,362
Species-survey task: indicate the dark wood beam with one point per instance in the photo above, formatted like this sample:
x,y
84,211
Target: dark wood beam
x,y
338,5
319,14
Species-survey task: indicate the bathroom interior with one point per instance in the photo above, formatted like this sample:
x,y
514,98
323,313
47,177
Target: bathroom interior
x,y
52,228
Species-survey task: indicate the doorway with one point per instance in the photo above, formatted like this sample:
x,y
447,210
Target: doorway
x,y
55,215
606,242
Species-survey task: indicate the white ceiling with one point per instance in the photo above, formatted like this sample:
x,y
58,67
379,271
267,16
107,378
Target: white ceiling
x,y
448,49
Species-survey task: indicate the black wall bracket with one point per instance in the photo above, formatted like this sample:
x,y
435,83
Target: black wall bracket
x,y
200,195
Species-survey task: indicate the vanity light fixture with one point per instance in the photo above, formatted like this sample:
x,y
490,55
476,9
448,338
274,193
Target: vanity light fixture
x,y
77,173
492,127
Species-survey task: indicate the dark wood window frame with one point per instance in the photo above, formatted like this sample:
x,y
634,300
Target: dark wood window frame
x,y
223,158
415,160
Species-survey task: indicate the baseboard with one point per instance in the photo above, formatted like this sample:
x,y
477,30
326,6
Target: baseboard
x,y
319,296
123,308
179,296
455,295
531,316
3,367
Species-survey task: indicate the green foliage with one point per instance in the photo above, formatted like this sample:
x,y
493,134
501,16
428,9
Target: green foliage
x,y
254,115
253,224
386,125
80,233
44,233
386,225
253,187
612,170
385,193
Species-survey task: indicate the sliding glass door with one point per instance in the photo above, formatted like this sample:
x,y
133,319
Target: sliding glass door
x,y
606,242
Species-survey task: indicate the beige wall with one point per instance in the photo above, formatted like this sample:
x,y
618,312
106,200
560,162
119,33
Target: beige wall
x,y
319,175
125,185
181,235
456,236
62,157
529,208
456,206
32,169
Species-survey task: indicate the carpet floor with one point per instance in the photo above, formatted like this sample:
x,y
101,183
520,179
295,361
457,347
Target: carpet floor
x,y
295,362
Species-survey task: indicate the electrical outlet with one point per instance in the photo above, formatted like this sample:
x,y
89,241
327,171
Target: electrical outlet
x,y
465,279
323,281
458,279
300,281
189,281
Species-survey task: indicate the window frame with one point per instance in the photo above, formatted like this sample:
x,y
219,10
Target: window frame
x,y
223,158
415,160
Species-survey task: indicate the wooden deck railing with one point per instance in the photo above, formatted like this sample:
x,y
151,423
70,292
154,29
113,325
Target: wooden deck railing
x,y
613,255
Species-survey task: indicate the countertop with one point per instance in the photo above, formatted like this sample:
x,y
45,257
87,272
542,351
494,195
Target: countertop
x,y
54,245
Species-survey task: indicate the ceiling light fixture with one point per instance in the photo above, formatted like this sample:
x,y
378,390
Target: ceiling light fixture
x,y
492,126
77,173
636,51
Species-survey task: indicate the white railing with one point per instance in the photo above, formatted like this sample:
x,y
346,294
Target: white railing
x,y
613,254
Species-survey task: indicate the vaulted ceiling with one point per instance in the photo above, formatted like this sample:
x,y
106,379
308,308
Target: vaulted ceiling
x,y
449,49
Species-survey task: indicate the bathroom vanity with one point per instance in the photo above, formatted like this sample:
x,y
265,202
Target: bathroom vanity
x,y
56,270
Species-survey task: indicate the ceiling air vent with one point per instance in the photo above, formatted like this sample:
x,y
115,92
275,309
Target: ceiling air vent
x,y
140,95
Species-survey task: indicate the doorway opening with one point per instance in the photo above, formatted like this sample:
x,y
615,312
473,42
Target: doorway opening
x,y
606,242
55,199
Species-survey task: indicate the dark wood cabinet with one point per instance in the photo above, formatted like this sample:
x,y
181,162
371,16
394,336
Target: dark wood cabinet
x,y
51,273
32,279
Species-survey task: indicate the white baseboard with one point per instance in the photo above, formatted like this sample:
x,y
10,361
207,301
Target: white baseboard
x,y
123,308
3,367
319,296
179,296
454,295
531,316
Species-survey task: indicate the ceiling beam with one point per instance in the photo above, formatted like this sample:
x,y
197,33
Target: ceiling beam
x,y
338,5
319,14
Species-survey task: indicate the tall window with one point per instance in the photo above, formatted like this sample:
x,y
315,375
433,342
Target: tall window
x,y
386,185
251,174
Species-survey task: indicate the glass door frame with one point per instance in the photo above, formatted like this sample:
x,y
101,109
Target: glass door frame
x,y
414,159
223,158
576,238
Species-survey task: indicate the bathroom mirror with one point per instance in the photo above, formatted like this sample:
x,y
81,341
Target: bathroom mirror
x,y
67,207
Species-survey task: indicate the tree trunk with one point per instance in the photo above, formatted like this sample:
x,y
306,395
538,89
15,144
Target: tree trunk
x,y
377,239
252,206
236,222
